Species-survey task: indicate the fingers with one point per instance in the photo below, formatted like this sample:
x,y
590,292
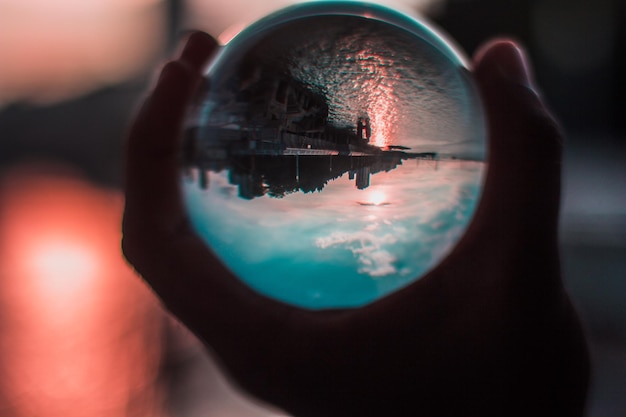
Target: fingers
x,y
157,240
154,211
522,189
152,172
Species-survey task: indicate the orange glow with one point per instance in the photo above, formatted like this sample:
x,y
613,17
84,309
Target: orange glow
x,y
81,335
383,119
54,50
376,83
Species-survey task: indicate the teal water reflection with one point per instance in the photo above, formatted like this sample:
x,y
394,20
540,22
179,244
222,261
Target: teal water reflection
x,y
342,246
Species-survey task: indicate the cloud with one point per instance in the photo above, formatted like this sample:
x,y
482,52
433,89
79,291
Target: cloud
x,y
367,247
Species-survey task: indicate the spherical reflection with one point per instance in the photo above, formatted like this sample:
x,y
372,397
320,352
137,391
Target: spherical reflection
x,y
337,155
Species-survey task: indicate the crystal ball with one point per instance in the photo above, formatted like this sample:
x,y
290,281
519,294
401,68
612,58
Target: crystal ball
x,y
336,153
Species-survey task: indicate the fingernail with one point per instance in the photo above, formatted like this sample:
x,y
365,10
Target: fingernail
x,y
513,65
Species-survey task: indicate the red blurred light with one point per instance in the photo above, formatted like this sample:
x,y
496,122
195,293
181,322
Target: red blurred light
x,y
81,335
63,267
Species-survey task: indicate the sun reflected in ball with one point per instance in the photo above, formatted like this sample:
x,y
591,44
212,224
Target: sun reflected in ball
x,y
337,155
375,198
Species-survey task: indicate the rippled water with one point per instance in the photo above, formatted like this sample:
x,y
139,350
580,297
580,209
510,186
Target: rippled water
x,y
414,95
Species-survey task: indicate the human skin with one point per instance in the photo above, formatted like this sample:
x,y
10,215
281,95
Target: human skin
x,y
490,331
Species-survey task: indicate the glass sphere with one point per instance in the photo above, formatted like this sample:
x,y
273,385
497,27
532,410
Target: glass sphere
x,y
336,155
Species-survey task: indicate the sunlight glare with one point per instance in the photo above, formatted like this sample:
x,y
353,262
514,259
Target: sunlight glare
x,y
63,266
80,334
377,197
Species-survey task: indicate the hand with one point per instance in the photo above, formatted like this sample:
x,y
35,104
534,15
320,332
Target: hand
x,y
490,331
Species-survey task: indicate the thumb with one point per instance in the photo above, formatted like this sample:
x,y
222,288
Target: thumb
x,y
522,189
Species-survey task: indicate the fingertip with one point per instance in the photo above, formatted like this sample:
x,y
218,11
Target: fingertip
x,y
505,59
522,186
175,83
154,132
197,50
170,70
503,73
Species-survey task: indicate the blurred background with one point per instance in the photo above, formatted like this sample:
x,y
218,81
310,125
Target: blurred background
x,y
80,335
